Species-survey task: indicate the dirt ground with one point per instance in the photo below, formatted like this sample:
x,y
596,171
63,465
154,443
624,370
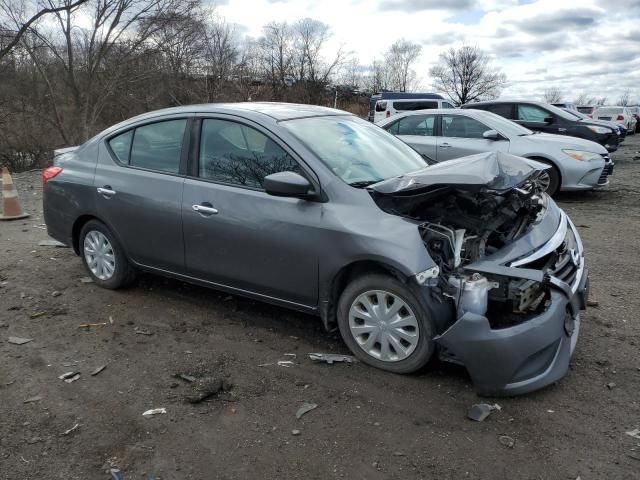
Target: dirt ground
x,y
368,424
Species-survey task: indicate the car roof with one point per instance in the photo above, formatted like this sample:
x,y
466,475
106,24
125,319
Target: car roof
x,y
469,112
406,96
506,100
276,110
440,111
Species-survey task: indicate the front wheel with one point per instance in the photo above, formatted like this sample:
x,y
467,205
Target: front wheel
x,y
549,179
385,325
103,256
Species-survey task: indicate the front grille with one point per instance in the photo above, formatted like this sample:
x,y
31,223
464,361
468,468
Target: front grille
x,y
564,262
606,171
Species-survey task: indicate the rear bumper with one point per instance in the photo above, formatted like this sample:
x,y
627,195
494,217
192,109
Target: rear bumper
x,y
529,355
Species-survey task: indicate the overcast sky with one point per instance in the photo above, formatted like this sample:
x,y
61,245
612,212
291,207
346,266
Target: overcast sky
x,y
579,46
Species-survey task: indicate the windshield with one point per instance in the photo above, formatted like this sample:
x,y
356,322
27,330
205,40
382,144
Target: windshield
x,y
575,114
609,111
358,152
559,112
502,125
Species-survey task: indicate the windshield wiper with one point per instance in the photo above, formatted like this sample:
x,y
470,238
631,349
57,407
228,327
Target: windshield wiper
x,y
363,183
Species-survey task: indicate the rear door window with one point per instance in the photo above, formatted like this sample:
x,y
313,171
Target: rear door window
x,y
158,146
381,106
415,105
462,127
532,113
421,125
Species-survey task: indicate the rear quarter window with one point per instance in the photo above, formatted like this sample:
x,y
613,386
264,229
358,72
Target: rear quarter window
x,y
502,109
121,146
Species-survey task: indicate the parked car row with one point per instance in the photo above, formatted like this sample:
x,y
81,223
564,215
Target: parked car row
x,y
317,210
440,135
546,118
622,116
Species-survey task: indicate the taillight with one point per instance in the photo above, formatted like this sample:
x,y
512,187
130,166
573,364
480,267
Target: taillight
x,y
49,173
388,113
619,117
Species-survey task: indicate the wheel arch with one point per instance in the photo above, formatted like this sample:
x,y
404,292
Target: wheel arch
x,y
350,271
80,222
77,228
552,162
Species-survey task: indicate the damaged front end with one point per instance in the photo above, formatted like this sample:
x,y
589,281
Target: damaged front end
x,y
510,263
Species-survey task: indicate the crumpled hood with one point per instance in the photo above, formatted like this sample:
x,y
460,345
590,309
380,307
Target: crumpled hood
x,y
491,171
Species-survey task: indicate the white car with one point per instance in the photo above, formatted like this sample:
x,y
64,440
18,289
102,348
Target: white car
x,y
618,114
388,104
441,135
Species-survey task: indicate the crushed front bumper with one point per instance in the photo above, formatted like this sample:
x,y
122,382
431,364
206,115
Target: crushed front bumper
x,y
531,354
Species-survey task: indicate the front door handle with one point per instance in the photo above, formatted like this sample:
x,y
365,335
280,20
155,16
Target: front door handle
x,y
444,145
106,191
562,129
205,209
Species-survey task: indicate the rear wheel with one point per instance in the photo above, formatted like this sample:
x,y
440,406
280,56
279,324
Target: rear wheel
x,y
103,256
385,325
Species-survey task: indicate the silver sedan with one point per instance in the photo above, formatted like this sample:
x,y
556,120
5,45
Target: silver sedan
x,y
440,135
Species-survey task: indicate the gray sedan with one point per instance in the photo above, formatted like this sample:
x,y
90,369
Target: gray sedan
x,y
576,164
316,210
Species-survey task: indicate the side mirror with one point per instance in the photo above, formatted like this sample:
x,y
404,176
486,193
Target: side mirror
x,y
491,135
548,120
287,184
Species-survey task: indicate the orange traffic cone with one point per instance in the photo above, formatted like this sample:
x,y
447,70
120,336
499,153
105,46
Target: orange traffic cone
x,y
11,209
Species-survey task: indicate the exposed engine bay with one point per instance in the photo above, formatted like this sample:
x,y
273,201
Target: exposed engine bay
x,y
461,227
462,224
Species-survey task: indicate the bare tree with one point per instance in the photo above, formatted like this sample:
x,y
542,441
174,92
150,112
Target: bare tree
x,y
351,73
466,75
249,70
277,54
552,95
92,61
398,61
180,39
601,101
624,98
312,69
584,99
14,12
375,79
221,55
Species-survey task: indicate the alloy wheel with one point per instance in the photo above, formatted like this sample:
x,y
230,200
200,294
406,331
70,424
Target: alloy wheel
x,y
544,180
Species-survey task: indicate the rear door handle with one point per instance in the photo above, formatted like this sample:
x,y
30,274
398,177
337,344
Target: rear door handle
x,y
562,129
444,145
106,191
206,210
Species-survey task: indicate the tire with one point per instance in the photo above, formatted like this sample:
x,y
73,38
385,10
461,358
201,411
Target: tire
x,y
112,269
422,348
554,177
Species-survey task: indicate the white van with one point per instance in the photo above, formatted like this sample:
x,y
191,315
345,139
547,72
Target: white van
x,y
387,104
